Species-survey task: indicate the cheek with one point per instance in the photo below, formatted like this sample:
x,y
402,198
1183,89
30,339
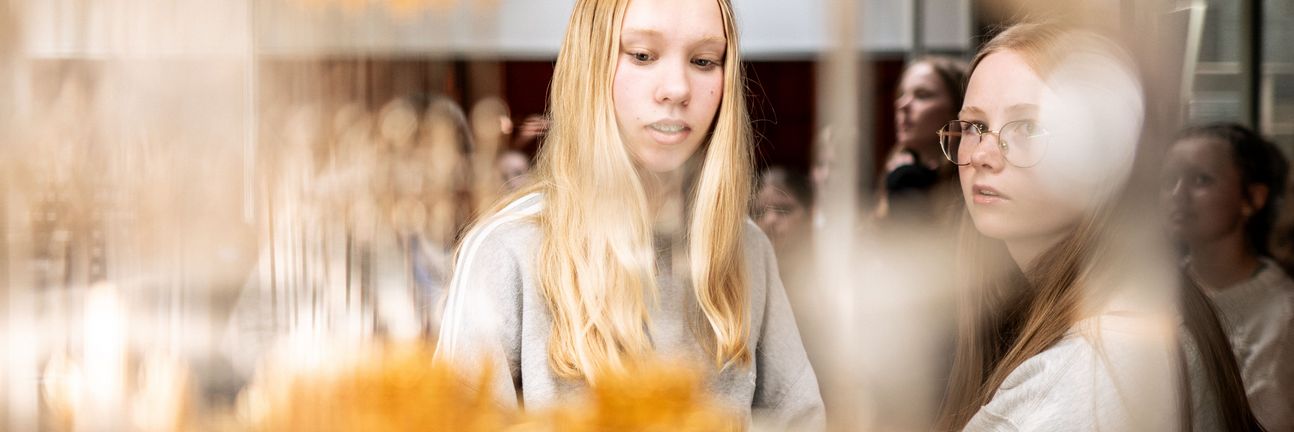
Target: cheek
x,y
1071,179
707,94
1217,206
1058,200
967,176
930,111
628,91
798,217
1037,206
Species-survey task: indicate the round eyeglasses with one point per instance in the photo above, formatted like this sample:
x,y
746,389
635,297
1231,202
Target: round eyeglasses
x,y
1022,142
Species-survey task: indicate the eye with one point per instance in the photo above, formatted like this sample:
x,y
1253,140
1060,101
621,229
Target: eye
x,y
1031,128
1027,129
705,64
1201,179
640,57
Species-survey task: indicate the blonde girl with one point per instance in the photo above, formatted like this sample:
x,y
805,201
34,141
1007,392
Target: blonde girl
x,y
633,242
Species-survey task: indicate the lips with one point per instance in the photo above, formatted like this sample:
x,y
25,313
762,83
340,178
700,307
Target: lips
x,y
669,131
987,194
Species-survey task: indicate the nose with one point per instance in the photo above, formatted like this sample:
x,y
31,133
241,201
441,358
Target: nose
x,y
988,154
902,102
673,86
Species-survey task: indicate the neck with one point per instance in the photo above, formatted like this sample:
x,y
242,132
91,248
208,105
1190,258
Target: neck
x,y
1224,262
665,199
1026,251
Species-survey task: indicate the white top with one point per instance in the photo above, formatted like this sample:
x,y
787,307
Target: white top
x,y
1112,372
1258,316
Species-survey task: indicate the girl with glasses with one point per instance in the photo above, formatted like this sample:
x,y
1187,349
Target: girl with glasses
x,y
1068,321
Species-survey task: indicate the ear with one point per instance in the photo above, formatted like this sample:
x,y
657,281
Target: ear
x,y
1258,194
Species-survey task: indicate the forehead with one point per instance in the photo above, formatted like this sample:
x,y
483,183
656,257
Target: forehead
x,y
681,20
920,73
774,193
1201,151
1004,79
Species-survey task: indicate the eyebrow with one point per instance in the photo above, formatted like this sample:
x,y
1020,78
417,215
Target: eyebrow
x,y
643,32
970,110
1021,107
657,34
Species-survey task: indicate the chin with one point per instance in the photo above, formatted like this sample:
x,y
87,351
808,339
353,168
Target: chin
x,y
661,167
659,162
995,227
663,160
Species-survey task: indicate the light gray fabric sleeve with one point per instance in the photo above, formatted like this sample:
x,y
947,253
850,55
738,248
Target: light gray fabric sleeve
x,y
481,329
786,388
1114,380
1271,375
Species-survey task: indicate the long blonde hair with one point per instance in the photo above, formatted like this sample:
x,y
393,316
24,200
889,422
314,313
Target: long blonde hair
x,y
1007,317
596,263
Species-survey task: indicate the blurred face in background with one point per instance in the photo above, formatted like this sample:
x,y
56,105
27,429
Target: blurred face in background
x,y
513,168
923,105
669,79
779,214
1204,192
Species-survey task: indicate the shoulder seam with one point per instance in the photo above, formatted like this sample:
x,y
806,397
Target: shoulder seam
x,y
526,206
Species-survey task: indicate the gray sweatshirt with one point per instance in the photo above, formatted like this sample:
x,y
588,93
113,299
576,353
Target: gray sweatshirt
x,y
496,316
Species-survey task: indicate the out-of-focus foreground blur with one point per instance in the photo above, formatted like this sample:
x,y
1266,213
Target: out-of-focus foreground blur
x,y
241,215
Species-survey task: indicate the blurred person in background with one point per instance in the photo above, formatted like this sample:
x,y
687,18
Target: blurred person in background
x,y
919,185
824,156
514,170
530,135
913,225
634,241
1070,319
782,205
514,163
1223,184
444,151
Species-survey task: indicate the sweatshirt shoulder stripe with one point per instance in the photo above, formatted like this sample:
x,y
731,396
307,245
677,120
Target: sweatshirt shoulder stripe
x,y
523,207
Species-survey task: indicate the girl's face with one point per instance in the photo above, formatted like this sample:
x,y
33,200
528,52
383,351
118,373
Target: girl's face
x,y
1040,203
922,107
669,79
1202,187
